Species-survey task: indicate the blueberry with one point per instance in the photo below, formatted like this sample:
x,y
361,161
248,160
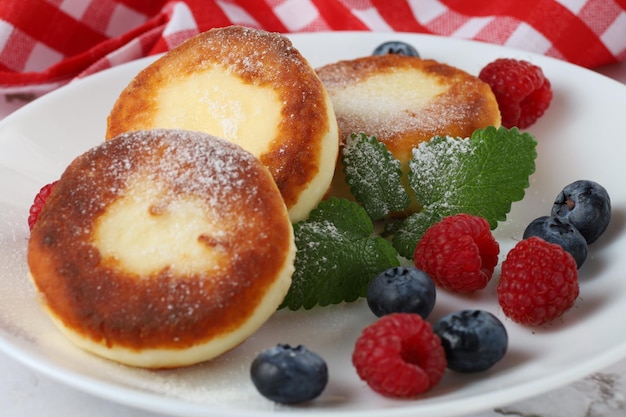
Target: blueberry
x,y
289,375
474,340
401,290
396,47
553,230
586,206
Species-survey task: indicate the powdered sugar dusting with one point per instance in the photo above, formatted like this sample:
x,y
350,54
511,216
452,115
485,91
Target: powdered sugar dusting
x,y
376,117
425,154
427,160
363,153
252,53
394,97
191,162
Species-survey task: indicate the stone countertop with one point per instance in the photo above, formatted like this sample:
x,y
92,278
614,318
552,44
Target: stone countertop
x,y
26,393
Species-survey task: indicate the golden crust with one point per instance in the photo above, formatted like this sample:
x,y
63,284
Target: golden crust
x,y
99,298
306,133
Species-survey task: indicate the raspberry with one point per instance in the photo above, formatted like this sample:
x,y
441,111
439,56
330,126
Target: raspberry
x,y
40,199
539,282
459,253
521,89
399,355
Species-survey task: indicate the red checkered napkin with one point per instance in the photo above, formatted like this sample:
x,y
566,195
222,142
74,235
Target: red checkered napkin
x,y
45,44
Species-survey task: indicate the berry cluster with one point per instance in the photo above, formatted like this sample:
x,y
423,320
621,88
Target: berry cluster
x,y
402,355
539,280
580,214
539,277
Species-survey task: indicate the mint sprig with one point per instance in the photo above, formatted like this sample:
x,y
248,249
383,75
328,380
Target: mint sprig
x,y
373,175
482,175
338,255
338,251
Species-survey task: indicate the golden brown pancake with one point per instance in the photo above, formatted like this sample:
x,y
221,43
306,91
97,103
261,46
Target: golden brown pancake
x,y
162,248
250,87
404,101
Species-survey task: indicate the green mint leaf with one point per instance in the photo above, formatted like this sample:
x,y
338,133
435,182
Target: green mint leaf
x,y
374,176
482,175
337,256
411,231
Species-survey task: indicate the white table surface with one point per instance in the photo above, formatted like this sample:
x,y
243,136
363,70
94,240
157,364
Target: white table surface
x,y
26,393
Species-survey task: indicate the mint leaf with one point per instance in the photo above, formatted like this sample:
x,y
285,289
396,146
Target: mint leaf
x,y
374,176
337,256
482,176
411,231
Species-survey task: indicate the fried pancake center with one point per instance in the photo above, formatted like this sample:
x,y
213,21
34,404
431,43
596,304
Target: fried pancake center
x,y
147,230
357,98
220,102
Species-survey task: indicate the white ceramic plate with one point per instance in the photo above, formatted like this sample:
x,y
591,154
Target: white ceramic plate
x,y
580,137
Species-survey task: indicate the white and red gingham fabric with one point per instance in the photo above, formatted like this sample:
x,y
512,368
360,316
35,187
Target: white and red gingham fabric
x,y
45,44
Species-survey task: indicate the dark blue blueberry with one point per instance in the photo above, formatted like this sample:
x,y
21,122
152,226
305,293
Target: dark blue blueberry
x,y
474,340
402,290
289,375
586,206
396,47
553,230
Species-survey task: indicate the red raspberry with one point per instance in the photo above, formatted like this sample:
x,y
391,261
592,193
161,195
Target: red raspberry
x,y
539,282
459,253
521,89
40,199
399,356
